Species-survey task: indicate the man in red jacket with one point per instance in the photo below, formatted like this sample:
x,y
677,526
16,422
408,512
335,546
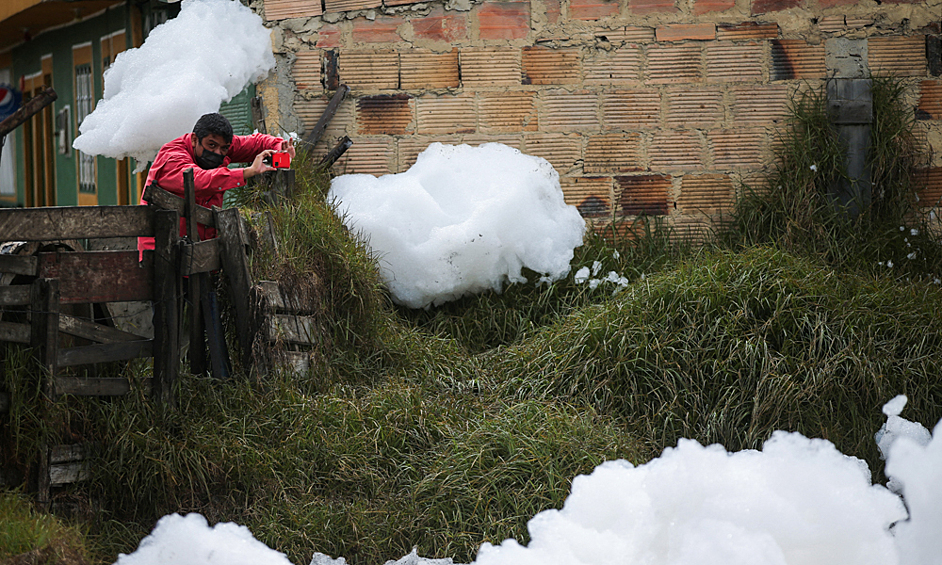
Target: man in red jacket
x,y
208,151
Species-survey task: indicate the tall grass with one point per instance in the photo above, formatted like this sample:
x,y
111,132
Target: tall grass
x,y
730,347
794,206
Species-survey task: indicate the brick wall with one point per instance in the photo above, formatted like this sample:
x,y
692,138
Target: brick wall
x,y
660,107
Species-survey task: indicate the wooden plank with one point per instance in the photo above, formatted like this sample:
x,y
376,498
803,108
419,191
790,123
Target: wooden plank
x,y
215,337
293,329
44,326
236,267
67,473
92,331
75,222
30,108
169,201
105,353
98,276
15,333
201,257
166,296
93,386
328,114
18,264
197,352
66,453
16,295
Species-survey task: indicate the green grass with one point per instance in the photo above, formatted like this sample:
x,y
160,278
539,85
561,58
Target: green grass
x,y
446,428
24,530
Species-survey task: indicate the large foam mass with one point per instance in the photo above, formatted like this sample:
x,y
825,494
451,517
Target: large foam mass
x,y
186,68
462,220
799,501
189,540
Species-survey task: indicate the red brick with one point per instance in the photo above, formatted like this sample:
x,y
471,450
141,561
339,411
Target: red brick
x,y
928,184
381,30
507,111
389,114
704,6
676,151
445,114
698,108
332,6
440,26
592,9
421,68
897,55
674,63
368,155
562,110
613,153
328,36
737,149
765,6
284,9
746,31
734,62
705,194
832,3
553,11
681,32
641,7
543,65
563,151
930,100
503,20
643,194
796,59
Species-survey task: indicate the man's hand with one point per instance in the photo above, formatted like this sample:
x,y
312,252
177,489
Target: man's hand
x,y
288,145
257,166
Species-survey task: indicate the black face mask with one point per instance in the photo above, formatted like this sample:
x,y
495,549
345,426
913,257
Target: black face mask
x,y
209,160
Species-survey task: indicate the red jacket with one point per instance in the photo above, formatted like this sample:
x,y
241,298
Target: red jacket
x,y
177,155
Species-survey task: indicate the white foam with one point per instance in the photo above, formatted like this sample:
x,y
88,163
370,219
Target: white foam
x,y
187,67
462,220
189,540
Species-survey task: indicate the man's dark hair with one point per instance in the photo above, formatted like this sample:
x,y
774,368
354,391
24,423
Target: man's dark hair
x,y
215,124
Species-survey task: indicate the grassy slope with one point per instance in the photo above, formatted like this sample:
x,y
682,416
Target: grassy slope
x,y
448,428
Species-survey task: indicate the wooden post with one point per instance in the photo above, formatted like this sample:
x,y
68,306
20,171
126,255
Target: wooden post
x,y
166,296
850,106
235,265
328,115
194,281
44,322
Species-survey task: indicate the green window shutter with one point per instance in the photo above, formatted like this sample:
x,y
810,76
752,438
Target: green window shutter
x,y
239,111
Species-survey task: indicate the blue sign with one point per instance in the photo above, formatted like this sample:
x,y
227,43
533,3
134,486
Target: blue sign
x,y
9,101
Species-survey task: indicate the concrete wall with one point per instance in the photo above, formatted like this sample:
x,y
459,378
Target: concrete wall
x,y
643,106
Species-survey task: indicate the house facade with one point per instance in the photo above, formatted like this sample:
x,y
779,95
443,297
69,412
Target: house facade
x,y
644,107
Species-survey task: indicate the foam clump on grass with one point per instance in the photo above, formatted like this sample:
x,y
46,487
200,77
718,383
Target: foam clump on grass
x,y
186,67
462,220
798,501
189,540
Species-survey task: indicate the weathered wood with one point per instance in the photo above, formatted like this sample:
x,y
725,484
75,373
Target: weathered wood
x,y
166,322
258,115
43,486
98,276
67,473
67,453
18,265
215,337
197,351
92,386
236,267
293,329
104,352
29,109
328,114
337,152
44,315
201,257
75,222
169,201
15,333
92,331
17,295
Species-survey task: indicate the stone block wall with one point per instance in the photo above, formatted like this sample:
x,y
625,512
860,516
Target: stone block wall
x,y
657,107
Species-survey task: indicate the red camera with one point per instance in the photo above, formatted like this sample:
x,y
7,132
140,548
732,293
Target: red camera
x,y
279,160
